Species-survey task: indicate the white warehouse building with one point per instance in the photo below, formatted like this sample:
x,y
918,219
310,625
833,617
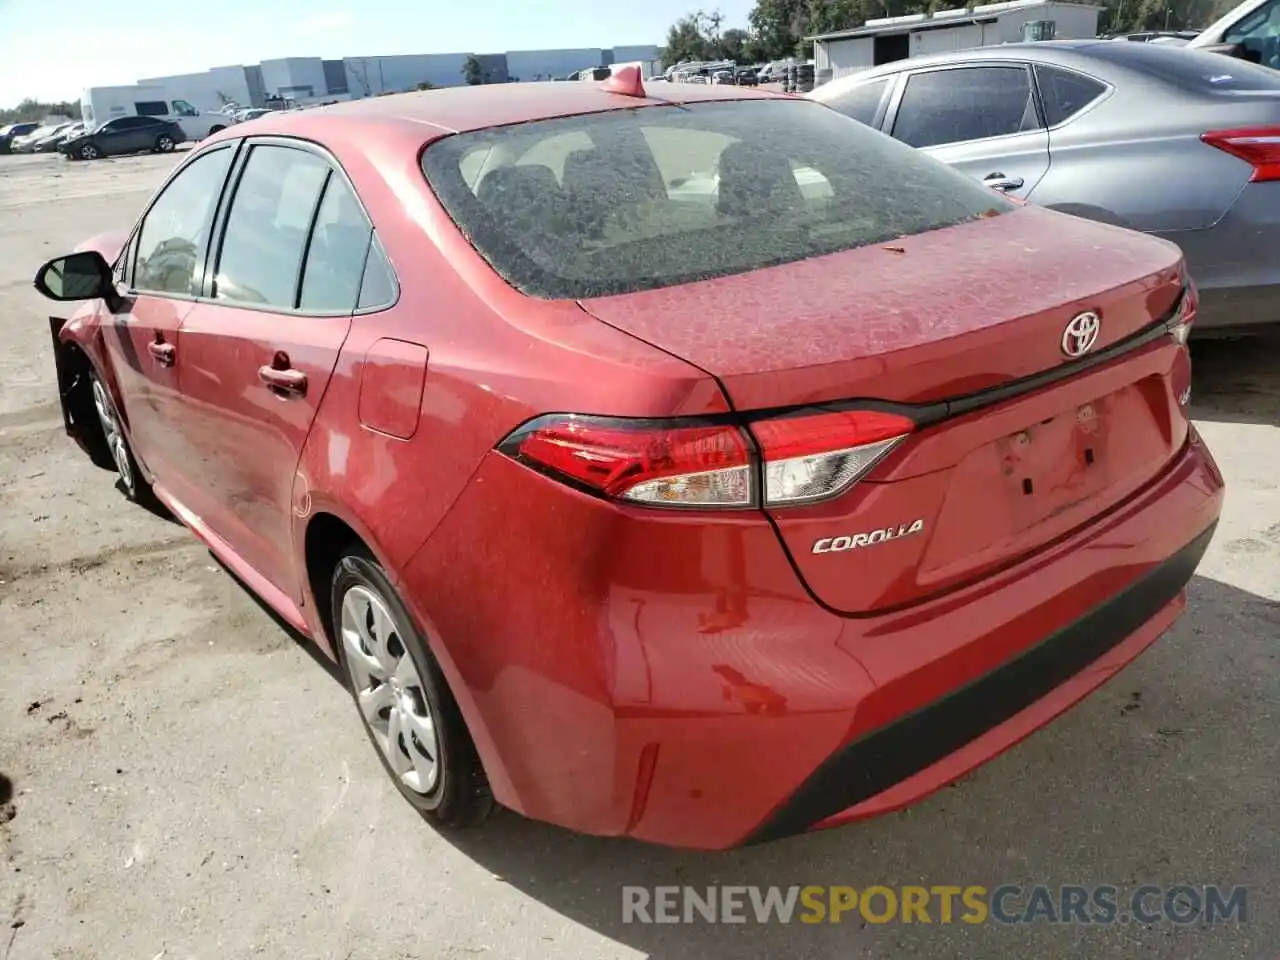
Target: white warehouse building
x,y
887,39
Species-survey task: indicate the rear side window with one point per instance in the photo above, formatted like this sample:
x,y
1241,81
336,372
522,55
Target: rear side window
x,y
628,200
151,108
335,258
970,103
267,227
1193,70
175,232
378,288
861,102
1064,93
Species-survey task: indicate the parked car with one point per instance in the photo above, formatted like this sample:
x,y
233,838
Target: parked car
x,y
124,135
1250,31
241,116
51,143
1175,142
31,142
12,132
446,386
746,77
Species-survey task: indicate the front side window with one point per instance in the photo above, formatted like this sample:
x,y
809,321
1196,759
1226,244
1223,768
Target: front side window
x,y
175,232
969,103
267,226
336,255
184,109
1064,93
655,196
860,102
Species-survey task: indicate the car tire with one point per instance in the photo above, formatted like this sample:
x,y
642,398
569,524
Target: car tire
x,y
403,699
164,143
90,152
132,482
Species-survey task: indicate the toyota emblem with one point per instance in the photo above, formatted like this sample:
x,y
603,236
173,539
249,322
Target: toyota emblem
x,y
1081,334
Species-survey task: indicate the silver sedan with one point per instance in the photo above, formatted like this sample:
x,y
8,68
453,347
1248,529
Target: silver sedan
x,y
1171,141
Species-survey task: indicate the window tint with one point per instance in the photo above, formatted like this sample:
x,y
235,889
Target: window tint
x,y
335,258
379,286
862,101
668,194
949,106
267,227
171,243
151,108
1186,69
1064,93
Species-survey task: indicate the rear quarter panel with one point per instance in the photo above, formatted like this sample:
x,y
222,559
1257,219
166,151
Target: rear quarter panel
x,y
1138,157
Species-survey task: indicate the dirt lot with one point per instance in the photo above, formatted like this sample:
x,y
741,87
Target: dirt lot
x,y
189,783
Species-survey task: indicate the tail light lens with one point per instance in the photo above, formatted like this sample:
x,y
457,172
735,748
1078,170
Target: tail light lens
x,y
815,457
645,461
799,459
1180,322
1257,146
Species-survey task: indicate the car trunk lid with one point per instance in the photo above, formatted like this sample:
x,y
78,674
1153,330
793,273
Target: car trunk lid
x,y
962,329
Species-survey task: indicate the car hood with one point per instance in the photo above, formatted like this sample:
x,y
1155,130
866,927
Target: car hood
x,y
108,245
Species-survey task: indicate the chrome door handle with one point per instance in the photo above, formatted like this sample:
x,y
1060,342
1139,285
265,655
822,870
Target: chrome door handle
x,y
998,181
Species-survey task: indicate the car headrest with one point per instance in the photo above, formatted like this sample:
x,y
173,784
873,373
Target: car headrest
x,y
754,181
513,188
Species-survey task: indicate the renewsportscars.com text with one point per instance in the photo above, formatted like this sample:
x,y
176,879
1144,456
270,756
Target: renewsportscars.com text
x,y
1183,904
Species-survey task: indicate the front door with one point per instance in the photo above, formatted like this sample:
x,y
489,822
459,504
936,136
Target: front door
x,y
257,357
983,120
160,274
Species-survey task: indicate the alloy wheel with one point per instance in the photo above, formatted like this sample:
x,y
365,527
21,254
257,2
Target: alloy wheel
x,y
389,689
89,152
164,144
115,436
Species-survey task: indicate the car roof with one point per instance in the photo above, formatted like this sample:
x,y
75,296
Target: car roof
x,y
459,109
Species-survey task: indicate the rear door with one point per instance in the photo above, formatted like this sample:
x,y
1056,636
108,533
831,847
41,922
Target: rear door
x,y
258,353
982,119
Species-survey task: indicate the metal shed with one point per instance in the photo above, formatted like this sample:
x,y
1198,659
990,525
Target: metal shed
x,y
888,39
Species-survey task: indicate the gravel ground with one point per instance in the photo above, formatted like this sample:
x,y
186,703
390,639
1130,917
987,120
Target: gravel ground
x,y
187,781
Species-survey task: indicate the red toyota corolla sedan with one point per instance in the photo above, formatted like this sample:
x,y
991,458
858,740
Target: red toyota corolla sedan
x,y
701,466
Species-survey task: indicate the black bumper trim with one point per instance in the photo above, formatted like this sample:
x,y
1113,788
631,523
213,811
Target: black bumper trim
x,y
889,755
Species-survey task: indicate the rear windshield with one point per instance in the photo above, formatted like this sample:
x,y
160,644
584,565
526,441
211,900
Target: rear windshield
x,y
628,200
1195,70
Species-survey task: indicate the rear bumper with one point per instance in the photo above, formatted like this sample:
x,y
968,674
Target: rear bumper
x,y
672,681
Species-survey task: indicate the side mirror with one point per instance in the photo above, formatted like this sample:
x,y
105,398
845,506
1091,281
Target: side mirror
x,y
77,276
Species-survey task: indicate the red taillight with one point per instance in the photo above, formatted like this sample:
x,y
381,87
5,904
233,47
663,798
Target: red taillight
x,y
656,463
1257,146
1180,323
813,457
673,463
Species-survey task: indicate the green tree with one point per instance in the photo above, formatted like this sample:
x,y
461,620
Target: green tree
x,y
31,110
473,71
733,45
686,41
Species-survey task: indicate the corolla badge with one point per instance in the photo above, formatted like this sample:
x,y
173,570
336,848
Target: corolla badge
x,y
1081,334
855,541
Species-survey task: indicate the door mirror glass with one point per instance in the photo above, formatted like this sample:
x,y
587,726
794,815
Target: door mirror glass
x,y
79,276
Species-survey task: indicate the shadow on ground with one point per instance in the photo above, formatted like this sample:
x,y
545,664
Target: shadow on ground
x,y
1236,381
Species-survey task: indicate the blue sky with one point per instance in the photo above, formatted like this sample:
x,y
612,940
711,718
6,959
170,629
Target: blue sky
x,y
100,42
